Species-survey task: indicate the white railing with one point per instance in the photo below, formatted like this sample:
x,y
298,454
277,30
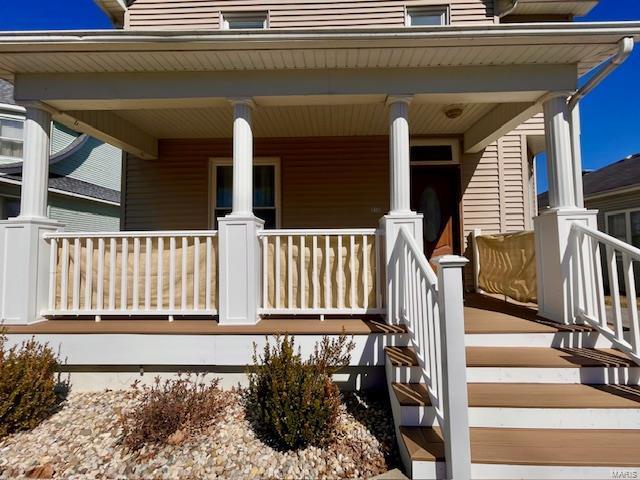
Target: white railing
x,y
163,273
321,271
589,301
432,308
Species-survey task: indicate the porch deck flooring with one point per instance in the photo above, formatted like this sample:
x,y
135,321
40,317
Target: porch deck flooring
x,y
485,314
291,325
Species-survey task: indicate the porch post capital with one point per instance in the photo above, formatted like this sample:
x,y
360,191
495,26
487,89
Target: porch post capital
x,y
246,101
403,98
566,94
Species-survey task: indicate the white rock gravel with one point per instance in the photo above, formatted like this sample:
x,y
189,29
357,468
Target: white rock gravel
x,y
83,440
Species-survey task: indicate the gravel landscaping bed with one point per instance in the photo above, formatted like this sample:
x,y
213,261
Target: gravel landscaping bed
x,y
83,440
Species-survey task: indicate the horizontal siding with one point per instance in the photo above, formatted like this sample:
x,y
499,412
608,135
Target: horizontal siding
x,y
205,14
325,182
82,215
612,203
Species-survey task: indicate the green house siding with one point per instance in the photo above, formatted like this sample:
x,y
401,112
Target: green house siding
x,y
77,214
94,162
61,137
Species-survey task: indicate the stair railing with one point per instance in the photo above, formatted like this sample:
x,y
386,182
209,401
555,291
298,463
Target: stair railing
x,y
590,304
432,308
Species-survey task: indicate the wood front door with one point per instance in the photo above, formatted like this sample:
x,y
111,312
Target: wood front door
x,y
435,193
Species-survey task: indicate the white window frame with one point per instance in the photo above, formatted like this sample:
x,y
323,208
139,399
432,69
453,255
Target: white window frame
x,y
436,10
224,16
627,221
454,143
228,161
19,118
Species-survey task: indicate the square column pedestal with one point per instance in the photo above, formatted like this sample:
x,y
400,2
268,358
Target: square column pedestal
x,y
25,258
240,269
555,257
390,224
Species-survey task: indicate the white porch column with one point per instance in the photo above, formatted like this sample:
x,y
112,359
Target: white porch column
x,y
576,149
238,245
555,256
24,254
400,213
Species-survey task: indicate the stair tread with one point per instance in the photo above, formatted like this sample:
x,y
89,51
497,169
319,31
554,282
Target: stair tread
x,y
521,446
530,395
524,357
545,357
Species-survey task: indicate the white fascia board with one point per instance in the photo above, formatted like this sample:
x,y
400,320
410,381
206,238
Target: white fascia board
x,y
63,40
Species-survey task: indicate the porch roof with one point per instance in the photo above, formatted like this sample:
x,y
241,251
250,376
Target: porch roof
x,y
583,44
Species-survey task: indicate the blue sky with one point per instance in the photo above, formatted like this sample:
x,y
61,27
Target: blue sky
x,y
610,114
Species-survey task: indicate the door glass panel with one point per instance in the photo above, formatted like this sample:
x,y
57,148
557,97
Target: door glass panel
x,y
635,229
431,153
224,186
430,208
617,226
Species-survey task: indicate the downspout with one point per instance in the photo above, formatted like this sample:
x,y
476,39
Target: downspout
x,y
625,48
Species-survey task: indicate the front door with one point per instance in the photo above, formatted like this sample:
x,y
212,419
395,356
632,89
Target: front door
x,y
435,194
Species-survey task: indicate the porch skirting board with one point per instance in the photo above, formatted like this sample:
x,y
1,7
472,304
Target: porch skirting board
x,y
94,378
117,359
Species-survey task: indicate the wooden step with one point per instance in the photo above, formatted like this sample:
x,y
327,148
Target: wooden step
x,y
530,395
529,357
402,356
539,447
524,357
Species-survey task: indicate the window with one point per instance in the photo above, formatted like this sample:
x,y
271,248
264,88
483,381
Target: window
x,y
9,207
266,197
244,20
429,151
624,226
424,17
11,139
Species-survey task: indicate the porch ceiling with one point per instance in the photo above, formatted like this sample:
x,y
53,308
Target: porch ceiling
x,y
302,120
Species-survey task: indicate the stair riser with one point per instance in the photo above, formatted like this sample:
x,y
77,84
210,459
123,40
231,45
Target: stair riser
x,y
540,340
587,418
584,375
509,472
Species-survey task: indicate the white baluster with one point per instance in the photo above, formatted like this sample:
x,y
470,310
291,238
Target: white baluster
x,y
136,273
303,273
88,275
124,273
183,297
147,273
612,269
327,272
314,270
340,274
77,259
159,295
172,274
378,267
265,271
365,273
632,302
209,262
196,273
100,275
352,270
277,279
290,272
112,274
53,267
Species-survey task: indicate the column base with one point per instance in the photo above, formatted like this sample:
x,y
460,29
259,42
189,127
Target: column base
x,y
240,272
24,257
554,260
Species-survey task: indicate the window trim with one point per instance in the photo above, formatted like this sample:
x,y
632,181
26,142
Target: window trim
x,y
442,10
228,161
224,22
21,119
454,143
627,221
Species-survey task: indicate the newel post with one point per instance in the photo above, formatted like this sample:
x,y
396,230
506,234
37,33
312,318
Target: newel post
x,y
24,253
455,404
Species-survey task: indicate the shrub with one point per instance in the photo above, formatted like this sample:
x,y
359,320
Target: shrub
x,y
29,392
293,402
171,411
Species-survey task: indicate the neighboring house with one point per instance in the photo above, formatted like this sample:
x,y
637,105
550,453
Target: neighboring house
x,y
84,173
613,190
300,166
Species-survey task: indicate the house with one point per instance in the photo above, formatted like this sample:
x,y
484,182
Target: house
x,y
84,173
317,166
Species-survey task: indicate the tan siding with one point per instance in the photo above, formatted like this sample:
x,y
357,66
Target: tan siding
x,y
205,14
325,182
533,126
